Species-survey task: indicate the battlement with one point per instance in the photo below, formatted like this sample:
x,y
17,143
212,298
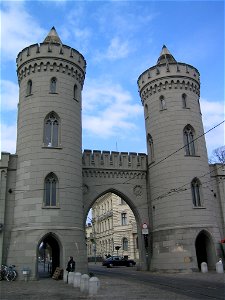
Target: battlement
x,y
52,57
169,72
114,160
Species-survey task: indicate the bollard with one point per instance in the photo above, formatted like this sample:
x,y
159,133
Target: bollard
x,y
76,279
65,274
94,285
204,267
70,277
219,267
26,274
84,283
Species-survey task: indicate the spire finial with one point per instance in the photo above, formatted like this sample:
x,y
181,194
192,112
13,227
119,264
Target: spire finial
x,y
165,57
52,37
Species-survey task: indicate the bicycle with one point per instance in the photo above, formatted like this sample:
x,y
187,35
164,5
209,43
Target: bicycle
x,y
8,273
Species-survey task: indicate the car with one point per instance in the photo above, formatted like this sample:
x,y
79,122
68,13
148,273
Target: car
x,y
118,261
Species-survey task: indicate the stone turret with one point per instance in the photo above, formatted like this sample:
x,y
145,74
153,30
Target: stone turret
x,y
177,162
48,195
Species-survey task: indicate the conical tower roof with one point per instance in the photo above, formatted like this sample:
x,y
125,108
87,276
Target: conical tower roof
x,y
165,57
52,37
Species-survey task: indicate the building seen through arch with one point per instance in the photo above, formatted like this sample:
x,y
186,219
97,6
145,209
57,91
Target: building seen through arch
x,y
113,224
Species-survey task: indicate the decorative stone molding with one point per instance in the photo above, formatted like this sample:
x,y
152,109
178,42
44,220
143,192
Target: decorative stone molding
x,y
85,189
113,174
52,66
138,190
166,84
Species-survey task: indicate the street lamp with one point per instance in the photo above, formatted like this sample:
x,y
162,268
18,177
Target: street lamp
x,y
117,249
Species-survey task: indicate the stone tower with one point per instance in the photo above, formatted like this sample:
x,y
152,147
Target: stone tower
x,y
182,206
48,196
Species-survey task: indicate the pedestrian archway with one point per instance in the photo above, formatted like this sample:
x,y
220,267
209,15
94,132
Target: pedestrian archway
x,y
205,251
48,255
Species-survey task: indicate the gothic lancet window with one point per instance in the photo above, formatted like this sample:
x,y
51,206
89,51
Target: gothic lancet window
x,y
189,140
53,85
196,192
50,190
162,103
75,92
29,87
184,100
150,148
51,130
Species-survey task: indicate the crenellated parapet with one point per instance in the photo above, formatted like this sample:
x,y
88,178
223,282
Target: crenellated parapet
x,y
51,57
164,77
114,160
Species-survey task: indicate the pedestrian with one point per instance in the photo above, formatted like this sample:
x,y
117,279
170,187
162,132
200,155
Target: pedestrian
x,y
70,265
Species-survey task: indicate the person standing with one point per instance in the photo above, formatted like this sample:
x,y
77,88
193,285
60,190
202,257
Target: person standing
x,y
70,265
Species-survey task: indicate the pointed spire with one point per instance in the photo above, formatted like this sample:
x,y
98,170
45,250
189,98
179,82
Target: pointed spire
x,y
52,37
165,57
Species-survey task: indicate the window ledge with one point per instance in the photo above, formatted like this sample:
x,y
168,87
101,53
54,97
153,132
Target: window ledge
x,y
192,155
186,107
51,147
198,207
50,207
75,99
162,109
53,93
28,95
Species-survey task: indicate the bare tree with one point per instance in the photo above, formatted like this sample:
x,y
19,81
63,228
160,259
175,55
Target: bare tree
x,y
218,155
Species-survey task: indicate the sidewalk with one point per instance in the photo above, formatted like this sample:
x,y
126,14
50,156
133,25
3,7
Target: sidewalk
x,y
110,288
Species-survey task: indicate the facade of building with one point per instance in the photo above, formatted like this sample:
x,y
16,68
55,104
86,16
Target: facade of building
x,y
113,225
48,186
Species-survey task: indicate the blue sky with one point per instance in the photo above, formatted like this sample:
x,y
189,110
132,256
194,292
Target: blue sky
x,y
119,40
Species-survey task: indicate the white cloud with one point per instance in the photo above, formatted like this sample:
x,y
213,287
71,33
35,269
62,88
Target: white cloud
x,y
117,49
108,110
9,95
18,30
213,114
8,138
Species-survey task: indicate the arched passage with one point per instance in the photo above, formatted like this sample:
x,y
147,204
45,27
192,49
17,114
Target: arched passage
x,y
115,223
48,255
205,251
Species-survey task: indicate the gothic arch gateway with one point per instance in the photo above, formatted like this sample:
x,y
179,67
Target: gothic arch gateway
x,y
122,174
156,185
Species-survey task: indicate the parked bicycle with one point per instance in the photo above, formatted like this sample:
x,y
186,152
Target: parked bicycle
x,y
8,273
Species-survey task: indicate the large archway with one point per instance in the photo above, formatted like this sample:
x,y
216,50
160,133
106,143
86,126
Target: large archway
x,y
205,251
48,255
118,224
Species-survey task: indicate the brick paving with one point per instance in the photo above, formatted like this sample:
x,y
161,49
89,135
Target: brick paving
x,y
110,288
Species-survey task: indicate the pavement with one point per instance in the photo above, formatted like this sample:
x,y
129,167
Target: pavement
x,y
111,287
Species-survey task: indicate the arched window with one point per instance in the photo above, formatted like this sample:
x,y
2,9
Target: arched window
x,y
29,87
150,147
162,103
51,130
196,192
184,100
53,85
146,111
189,140
50,190
75,92
125,244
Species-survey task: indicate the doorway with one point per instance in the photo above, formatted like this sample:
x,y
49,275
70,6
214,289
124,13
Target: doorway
x,y
48,256
204,250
